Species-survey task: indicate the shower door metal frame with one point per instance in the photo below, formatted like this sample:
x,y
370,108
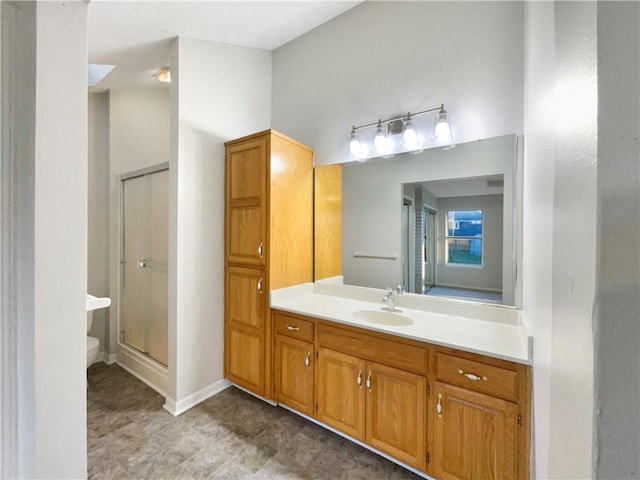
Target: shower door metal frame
x,y
149,361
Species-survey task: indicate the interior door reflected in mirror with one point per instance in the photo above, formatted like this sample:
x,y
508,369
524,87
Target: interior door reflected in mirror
x,y
443,223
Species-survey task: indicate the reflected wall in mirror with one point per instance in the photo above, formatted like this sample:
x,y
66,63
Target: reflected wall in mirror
x,y
453,234
439,222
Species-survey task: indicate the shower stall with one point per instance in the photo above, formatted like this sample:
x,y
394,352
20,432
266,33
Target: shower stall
x,y
144,263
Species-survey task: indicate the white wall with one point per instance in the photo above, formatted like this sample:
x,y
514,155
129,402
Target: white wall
x,y
489,276
17,394
616,325
219,92
98,211
60,223
560,230
138,138
574,240
372,202
538,215
386,58
47,248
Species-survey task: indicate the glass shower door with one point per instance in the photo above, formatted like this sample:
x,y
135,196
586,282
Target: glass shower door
x,y
145,264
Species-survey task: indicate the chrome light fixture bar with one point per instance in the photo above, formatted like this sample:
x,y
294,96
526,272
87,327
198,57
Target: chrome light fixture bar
x,y
383,145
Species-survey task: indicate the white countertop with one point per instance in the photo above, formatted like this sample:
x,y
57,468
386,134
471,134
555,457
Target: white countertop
x,y
484,329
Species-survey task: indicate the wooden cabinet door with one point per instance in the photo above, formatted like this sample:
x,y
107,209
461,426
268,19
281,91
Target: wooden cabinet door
x,y
293,367
473,435
246,197
396,423
340,392
245,313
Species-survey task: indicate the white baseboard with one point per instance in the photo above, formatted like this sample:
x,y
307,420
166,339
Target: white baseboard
x,y
143,368
181,406
107,358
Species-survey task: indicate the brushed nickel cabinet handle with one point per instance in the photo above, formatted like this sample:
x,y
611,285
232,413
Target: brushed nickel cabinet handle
x,y
260,250
439,405
292,328
359,379
473,376
260,285
368,383
307,360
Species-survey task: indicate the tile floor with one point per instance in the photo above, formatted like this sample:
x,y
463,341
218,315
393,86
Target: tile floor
x,y
230,435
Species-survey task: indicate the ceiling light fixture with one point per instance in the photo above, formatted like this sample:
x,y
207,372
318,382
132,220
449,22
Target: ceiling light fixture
x,y
384,145
163,74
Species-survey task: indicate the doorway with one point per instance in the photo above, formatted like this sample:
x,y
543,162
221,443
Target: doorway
x,y
408,244
429,242
144,262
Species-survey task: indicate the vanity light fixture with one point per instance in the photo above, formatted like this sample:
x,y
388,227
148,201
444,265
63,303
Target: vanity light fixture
x,y
442,129
383,144
409,134
381,141
355,146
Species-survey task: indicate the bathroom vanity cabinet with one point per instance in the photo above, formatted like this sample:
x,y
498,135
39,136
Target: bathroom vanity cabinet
x,y
268,245
449,413
294,363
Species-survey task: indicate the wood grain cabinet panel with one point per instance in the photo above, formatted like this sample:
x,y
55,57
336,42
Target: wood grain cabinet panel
x,y
293,326
246,297
474,435
268,245
368,347
244,358
340,392
246,209
293,366
477,376
245,306
396,422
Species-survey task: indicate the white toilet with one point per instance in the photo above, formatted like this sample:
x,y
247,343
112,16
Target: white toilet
x,y
93,344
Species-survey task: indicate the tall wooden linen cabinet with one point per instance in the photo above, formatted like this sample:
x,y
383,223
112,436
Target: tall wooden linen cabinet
x,y
268,245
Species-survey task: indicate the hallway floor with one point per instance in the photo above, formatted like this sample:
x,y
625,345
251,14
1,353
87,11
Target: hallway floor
x,y
230,435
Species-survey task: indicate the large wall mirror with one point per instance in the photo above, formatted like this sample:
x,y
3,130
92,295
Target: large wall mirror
x,y
444,223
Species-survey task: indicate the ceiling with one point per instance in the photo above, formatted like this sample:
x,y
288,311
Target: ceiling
x,y
466,187
135,35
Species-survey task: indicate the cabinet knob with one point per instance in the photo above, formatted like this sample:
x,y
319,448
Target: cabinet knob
x,y
472,376
260,250
368,383
307,360
439,405
259,286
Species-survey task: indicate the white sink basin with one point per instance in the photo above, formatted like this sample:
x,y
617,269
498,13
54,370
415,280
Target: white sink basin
x,y
383,318
94,303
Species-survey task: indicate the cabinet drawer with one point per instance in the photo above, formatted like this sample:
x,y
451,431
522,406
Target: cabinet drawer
x,y
477,376
294,327
387,352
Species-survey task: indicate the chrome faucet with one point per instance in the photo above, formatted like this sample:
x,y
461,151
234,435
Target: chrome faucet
x,y
389,298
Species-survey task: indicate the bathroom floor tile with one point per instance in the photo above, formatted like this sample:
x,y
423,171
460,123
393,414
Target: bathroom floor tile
x,y
231,435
